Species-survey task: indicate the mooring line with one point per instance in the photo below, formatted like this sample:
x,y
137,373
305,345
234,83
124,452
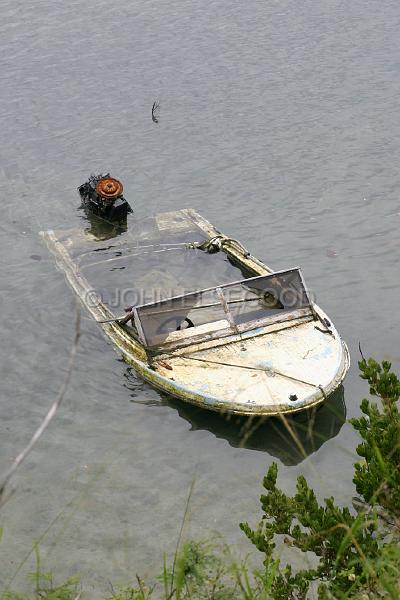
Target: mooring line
x,y
224,364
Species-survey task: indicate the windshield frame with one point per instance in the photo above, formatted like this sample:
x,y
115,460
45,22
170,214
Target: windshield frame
x,y
190,336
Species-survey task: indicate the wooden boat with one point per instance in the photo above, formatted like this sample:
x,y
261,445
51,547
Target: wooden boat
x,y
210,324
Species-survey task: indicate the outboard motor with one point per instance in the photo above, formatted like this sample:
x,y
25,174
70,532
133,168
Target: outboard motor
x,y
102,194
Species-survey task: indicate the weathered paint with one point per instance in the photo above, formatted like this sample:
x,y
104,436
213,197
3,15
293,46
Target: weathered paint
x,y
254,372
265,370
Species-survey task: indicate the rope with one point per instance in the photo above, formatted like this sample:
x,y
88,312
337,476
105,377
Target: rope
x,y
217,243
224,364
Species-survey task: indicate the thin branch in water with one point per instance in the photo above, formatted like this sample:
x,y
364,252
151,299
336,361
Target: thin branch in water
x,y
178,544
293,434
5,494
154,116
140,582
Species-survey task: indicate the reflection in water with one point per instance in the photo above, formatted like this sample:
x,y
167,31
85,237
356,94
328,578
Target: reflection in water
x,y
101,228
138,388
290,438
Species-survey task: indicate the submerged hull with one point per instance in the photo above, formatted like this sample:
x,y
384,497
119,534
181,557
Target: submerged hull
x,y
280,367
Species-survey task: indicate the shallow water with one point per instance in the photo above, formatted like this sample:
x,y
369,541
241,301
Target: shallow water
x,y
279,123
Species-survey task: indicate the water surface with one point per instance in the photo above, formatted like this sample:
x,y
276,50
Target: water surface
x,y
279,123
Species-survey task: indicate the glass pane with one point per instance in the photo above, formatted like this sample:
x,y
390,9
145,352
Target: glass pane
x,y
160,320
266,296
247,301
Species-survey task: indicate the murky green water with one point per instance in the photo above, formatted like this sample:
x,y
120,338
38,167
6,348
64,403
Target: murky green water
x,y
279,122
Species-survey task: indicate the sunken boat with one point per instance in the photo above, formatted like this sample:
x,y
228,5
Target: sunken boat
x,y
200,318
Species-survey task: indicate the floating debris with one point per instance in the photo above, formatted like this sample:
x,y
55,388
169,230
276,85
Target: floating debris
x,y
154,116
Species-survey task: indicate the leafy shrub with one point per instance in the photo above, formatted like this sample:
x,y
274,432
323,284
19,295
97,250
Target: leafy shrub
x,y
356,553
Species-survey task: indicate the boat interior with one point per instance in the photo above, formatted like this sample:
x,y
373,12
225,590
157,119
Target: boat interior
x,y
183,281
228,309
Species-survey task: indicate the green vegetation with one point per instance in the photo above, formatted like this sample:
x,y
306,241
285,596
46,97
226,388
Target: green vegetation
x,y
45,587
356,551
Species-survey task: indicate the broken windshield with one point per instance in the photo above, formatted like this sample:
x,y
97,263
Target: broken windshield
x,y
228,309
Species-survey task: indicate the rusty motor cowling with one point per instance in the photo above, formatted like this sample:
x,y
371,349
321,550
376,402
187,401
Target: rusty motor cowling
x,y
103,195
